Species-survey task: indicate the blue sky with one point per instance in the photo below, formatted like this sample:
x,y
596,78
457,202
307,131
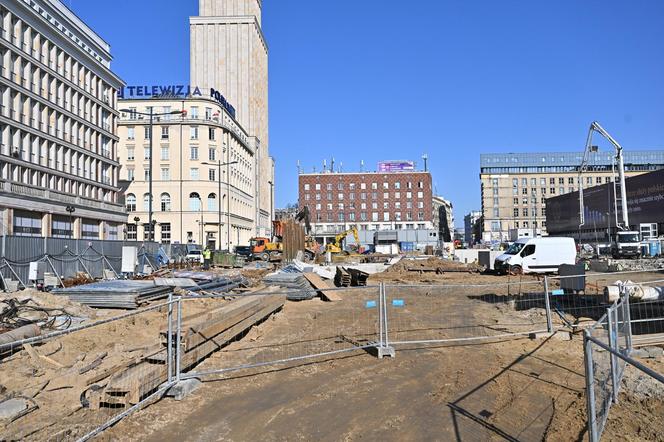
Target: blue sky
x,y
387,79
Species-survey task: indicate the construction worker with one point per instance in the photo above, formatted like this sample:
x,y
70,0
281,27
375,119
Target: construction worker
x,y
207,257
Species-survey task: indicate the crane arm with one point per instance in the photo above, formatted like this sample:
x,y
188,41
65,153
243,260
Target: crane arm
x,y
596,127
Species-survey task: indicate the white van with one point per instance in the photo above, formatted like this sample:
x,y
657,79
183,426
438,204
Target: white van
x,y
536,255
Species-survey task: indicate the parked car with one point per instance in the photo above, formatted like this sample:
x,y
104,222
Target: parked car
x,y
195,256
536,255
244,251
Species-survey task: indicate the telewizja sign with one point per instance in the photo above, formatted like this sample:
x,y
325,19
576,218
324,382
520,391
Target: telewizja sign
x,y
173,91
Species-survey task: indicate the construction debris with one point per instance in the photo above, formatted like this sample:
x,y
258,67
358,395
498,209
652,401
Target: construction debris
x,y
318,283
295,284
202,335
348,276
115,294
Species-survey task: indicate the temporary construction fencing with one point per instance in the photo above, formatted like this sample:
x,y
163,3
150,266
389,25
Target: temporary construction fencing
x,y
197,339
354,325
607,349
66,257
72,384
421,314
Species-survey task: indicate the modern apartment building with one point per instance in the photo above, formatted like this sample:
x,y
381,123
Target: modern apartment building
x,y
58,142
443,218
198,195
470,222
515,186
368,200
229,53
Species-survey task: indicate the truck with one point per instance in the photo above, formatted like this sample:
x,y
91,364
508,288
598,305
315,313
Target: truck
x,y
536,255
627,244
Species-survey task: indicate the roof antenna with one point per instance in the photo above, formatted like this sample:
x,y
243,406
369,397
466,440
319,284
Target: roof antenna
x,y
299,168
324,165
341,167
425,157
332,165
361,165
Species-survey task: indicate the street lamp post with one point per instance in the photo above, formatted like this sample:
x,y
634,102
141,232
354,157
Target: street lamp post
x,y
200,206
152,115
219,164
271,203
136,220
71,210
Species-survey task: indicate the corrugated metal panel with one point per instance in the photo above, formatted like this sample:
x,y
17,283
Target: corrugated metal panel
x,y
21,250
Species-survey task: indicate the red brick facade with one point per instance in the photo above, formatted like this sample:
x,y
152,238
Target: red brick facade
x,y
396,198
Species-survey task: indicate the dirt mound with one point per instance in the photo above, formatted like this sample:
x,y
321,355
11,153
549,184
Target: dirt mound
x,y
432,264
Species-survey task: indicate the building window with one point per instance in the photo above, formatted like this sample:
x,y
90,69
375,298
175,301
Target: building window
x,y
552,191
420,204
386,216
212,202
570,180
363,186
211,133
194,202
351,216
495,212
397,205
212,154
318,186
543,190
146,202
598,180
386,195
132,232
165,202
208,113
193,153
543,211
329,206
525,211
164,154
495,226
341,217
386,205
363,216
341,206
61,227
306,197
386,185
374,216
146,174
193,132
515,201
340,186
318,197
409,204
164,132
409,195
165,174
340,196
329,196
516,213
146,153
193,112
131,133
130,173
318,206
131,202
374,186
165,233
193,174
515,182
148,132
212,175
130,154
329,186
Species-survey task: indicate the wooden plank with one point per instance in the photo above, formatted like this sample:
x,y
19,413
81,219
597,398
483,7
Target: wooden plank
x,y
192,357
127,387
317,282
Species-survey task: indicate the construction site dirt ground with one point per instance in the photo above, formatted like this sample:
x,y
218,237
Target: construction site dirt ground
x,y
506,388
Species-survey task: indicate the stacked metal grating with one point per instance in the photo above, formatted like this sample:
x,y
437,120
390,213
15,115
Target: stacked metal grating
x,y
223,284
125,294
295,284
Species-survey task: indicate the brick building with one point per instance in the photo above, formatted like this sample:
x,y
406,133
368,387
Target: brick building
x,y
368,200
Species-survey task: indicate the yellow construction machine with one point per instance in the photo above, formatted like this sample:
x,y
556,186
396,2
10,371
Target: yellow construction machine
x,y
335,247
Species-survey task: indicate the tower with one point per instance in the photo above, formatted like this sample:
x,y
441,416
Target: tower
x,y
229,54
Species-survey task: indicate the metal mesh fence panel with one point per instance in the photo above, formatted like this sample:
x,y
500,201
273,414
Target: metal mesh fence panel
x,y
251,332
71,383
442,313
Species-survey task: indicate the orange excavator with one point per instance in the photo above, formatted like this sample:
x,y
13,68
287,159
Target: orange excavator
x,y
267,249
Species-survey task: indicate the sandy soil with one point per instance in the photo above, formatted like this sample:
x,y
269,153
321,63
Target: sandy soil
x,y
507,387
